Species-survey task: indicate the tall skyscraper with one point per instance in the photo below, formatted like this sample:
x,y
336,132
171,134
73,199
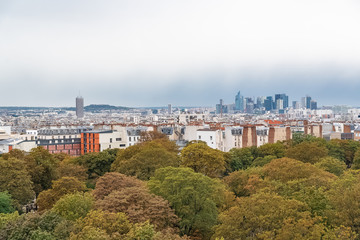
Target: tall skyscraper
x,y
313,105
308,102
239,102
268,103
169,109
285,102
79,107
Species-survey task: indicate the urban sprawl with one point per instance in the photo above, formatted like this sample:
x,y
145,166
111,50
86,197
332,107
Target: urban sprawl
x,y
244,123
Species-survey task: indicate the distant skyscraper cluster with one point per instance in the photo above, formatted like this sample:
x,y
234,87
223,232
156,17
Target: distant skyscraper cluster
x,y
278,103
79,107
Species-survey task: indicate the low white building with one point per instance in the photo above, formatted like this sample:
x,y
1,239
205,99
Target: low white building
x,y
213,138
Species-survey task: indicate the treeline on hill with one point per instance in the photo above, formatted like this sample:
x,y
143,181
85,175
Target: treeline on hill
x,y
305,188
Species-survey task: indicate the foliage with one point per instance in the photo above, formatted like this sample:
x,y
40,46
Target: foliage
x,y
203,159
298,138
32,226
69,168
332,165
142,231
343,150
16,181
90,233
61,187
74,206
287,169
345,199
238,181
272,149
14,153
41,166
261,161
142,160
259,216
5,218
308,152
114,182
148,136
240,158
6,203
114,224
136,202
97,163
356,160
194,197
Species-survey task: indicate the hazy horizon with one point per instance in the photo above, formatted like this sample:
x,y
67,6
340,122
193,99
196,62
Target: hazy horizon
x,y
151,53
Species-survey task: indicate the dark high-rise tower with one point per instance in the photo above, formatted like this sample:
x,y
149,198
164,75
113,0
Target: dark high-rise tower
x,y
79,107
239,102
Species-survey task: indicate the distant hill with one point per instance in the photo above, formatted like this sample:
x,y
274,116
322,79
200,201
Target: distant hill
x,y
103,107
90,108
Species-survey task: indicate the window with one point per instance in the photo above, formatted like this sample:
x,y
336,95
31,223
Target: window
x,y
118,139
109,146
199,137
210,137
130,139
122,145
111,140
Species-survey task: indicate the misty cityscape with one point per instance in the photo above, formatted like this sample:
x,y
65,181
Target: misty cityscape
x,y
179,120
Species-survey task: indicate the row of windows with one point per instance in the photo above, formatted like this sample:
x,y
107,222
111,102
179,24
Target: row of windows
x,y
116,139
135,138
121,145
58,141
211,137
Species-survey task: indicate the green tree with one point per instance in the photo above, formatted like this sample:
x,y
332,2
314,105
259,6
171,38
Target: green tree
x,y
272,149
261,161
344,197
287,169
143,163
332,165
61,187
32,226
298,138
114,224
6,203
41,166
90,233
194,197
16,181
356,162
142,231
203,159
240,158
259,216
336,150
69,168
97,164
308,152
15,153
74,206
5,218
238,181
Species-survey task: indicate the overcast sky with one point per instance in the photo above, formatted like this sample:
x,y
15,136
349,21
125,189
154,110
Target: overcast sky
x,y
184,52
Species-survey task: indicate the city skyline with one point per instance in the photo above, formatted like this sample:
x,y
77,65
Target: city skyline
x,y
141,53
